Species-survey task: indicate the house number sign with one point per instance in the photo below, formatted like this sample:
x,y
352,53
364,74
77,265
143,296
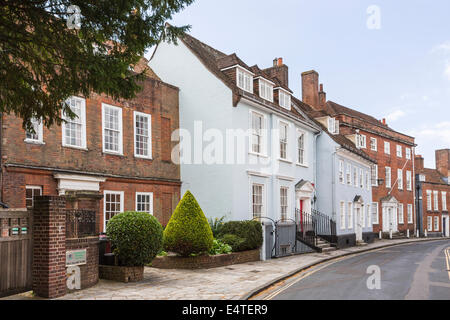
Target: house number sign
x,y
75,257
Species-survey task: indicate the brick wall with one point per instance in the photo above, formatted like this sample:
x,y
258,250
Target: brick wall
x,y
434,213
89,271
49,247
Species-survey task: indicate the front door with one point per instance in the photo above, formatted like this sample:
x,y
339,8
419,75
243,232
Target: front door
x,y
358,225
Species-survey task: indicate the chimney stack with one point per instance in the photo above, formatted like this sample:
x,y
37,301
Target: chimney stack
x,y
419,163
310,89
443,162
280,71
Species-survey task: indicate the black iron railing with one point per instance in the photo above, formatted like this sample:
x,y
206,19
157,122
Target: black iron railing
x,y
80,223
305,227
324,226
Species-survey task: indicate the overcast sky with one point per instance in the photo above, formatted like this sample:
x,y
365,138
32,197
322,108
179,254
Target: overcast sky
x,y
398,69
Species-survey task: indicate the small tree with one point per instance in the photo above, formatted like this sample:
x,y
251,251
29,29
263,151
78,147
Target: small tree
x,y
135,236
188,230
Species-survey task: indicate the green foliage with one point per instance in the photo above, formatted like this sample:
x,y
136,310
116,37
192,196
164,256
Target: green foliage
x,y
43,60
249,231
216,224
233,240
135,236
219,248
188,231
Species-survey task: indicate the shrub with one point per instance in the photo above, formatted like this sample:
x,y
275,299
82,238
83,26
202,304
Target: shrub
x,y
249,231
219,248
188,231
216,224
233,240
135,236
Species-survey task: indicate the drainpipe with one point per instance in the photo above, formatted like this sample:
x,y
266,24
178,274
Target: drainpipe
x,y
315,166
415,221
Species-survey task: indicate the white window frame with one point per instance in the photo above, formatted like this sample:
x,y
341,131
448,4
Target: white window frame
x,y
375,213
30,187
408,153
38,127
387,147
349,174
341,175
247,79
374,171
436,223
284,99
150,195
350,215
400,179
261,214
284,215
429,201
331,125
373,144
444,200
401,217
399,151
436,200
388,177
149,143
342,211
368,182
408,181
265,90
355,176
262,135
120,125
301,133
361,141
122,201
430,223
410,213
83,125
361,178
368,212
283,125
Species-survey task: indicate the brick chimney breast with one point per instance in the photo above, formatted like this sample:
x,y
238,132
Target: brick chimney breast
x,y
443,162
280,71
419,163
310,88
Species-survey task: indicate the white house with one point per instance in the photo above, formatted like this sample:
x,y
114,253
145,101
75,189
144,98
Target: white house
x,y
223,100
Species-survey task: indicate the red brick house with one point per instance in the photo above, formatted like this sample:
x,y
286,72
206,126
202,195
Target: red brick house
x,y
433,188
393,206
115,156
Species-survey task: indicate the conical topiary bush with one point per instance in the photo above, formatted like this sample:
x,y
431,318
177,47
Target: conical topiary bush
x,y
188,230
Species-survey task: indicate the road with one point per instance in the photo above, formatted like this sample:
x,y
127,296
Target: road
x,y
419,271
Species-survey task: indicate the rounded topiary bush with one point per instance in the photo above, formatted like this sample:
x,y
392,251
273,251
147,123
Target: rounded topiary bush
x,y
248,235
188,231
135,236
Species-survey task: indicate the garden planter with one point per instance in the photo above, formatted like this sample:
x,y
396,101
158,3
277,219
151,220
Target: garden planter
x,y
121,274
205,262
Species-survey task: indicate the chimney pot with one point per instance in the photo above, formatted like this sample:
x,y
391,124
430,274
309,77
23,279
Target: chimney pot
x,y
280,61
275,62
384,121
321,87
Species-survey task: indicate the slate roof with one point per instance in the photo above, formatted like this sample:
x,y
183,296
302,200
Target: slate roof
x,y
338,138
216,61
432,176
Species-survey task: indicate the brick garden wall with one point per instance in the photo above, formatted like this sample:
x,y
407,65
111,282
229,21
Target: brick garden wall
x,y
89,271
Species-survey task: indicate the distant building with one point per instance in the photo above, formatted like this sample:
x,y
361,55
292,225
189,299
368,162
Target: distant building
x,y
433,195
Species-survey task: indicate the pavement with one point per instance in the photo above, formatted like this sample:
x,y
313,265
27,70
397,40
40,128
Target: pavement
x,y
234,282
417,271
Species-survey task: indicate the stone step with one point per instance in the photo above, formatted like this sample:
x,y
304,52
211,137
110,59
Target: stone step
x,y
328,249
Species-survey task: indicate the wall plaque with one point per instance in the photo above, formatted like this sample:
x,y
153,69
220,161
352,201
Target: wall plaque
x,y
75,257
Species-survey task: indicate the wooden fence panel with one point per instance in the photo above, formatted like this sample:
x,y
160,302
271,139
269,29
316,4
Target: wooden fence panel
x,y
15,251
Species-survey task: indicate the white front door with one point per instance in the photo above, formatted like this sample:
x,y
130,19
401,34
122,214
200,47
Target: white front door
x,y
358,225
389,218
445,226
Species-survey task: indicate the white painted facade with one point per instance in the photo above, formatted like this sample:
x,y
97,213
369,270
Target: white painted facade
x,y
226,189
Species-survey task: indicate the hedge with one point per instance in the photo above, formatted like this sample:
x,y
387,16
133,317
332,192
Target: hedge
x,y
188,231
242,235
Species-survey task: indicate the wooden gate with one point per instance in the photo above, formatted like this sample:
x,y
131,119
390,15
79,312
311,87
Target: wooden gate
x,y
16,251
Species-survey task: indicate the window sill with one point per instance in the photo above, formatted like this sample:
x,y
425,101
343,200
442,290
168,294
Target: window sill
x,y
142,157
304,165
75,147
34,142
285,160
258,154
113,154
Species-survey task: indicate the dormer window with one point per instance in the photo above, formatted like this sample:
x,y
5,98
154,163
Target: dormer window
x,y
284,99
265,90
361,141
244,80
333,126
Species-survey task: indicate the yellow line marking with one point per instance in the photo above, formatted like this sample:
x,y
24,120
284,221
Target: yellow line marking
x,y
447,260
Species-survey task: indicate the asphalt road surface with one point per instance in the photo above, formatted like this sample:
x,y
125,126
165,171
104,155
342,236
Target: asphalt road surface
x,y
419,271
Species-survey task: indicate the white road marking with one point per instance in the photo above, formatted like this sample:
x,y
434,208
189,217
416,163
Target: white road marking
x,y
447,260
